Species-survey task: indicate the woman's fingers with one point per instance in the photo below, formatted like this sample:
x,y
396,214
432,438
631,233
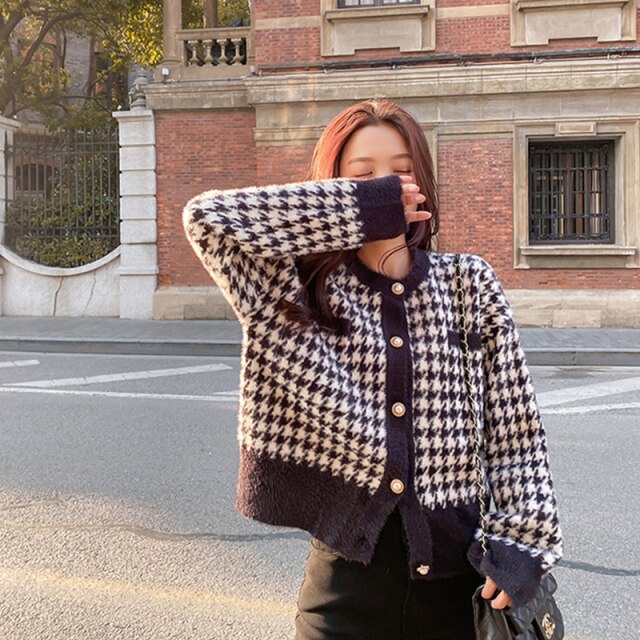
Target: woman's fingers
x,y
411,197
489,588
416,216
501,601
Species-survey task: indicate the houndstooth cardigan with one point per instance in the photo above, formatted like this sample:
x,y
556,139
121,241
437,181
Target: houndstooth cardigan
x,y
335,431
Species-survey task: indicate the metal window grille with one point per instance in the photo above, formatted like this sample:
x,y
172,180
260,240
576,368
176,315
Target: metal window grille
x,y
571,192
345,4
64,205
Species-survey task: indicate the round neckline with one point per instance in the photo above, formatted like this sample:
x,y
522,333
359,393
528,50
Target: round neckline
x,y
384,282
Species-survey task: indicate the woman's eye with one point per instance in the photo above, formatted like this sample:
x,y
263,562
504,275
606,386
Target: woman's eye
x,y
363,175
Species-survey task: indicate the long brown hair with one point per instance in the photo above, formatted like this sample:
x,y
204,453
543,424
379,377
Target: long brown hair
x,y
315,268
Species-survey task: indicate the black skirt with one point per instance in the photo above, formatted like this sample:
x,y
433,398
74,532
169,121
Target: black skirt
x,y
340,600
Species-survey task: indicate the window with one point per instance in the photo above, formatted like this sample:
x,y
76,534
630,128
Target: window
x,y
345,4
571,192
349,26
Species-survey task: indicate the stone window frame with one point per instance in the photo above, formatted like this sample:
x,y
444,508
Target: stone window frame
x,y
423,17
519,8
624,252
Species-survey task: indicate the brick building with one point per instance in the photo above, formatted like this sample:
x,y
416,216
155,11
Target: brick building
x,y
531,109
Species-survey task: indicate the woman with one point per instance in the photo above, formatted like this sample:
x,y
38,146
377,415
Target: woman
x,y
353,421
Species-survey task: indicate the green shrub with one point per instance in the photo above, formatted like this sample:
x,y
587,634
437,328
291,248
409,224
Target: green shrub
x,y
39,231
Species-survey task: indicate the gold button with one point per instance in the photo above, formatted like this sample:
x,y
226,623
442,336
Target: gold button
x,y
397,288
398,409
397,486
397,341
423,569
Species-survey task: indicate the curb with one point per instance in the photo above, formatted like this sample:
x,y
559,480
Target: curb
x,y
537,356
122,346
582,357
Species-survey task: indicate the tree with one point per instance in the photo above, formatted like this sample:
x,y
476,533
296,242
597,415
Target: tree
x,y
33,38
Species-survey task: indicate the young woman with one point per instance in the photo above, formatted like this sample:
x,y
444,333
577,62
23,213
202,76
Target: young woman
x,y
354,422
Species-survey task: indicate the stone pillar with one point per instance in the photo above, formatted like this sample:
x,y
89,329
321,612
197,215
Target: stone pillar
x,y
210,14
7,128
7,177
138,231
171,48
172,22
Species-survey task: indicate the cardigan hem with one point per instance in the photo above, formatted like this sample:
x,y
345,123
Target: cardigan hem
x,y
353,531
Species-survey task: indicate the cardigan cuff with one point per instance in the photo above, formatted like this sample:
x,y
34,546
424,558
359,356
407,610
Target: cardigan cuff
x,y
513,570
381,208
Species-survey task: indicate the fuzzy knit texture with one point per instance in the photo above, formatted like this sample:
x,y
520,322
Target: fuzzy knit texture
x,y
328,420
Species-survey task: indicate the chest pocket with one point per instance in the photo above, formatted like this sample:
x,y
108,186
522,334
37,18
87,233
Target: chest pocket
x,y
474,339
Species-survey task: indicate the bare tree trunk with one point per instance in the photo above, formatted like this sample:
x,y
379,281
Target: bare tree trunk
x,y
210,14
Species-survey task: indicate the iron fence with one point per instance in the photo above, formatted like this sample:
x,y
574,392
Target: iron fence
x,y
64,209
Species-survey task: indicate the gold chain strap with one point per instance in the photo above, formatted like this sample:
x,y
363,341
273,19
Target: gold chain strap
x,y
466,353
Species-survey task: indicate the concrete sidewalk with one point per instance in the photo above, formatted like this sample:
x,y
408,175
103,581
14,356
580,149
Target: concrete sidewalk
x,y
595,347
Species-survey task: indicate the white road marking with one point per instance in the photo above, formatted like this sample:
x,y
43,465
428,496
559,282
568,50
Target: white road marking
x,y
19,363
223,396
587,392
118,377
588,408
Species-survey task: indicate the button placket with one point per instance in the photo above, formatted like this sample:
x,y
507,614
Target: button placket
x,y
398,409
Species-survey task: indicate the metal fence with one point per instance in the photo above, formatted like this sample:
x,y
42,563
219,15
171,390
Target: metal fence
x,y
571,192
65,206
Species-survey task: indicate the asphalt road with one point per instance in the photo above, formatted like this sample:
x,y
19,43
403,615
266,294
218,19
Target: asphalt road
x,y
117,481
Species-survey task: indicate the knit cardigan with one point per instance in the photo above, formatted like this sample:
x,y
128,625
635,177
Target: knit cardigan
x,y
336,430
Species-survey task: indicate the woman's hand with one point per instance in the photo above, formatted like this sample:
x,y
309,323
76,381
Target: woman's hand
x,y
501,601
411,197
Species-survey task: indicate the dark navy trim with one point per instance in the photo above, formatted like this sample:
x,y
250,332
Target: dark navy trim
x,y
400,439
382,282
514,571
381,208
348,519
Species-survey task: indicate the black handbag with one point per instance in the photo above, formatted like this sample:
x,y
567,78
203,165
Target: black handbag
x,y
540,618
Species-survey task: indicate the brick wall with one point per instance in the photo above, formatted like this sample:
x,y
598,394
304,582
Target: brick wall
x,y
196,151
489,34
476,203
476,195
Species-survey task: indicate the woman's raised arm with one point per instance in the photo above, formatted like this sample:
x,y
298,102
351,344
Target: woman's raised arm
x,y
248,238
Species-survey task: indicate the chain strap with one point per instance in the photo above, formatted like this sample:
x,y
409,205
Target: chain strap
x,y
466,353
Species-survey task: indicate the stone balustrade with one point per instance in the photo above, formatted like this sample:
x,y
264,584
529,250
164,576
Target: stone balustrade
x,y
213,53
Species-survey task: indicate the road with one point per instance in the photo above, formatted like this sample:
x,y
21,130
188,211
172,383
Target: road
x,y
117,481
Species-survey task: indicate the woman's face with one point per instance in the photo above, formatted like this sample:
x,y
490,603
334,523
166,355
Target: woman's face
x,y
375,151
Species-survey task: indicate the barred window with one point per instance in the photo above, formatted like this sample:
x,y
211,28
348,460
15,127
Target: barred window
x,y
345,4
571,192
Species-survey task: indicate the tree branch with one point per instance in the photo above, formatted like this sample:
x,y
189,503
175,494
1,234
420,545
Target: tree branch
x,y
44,31
14,19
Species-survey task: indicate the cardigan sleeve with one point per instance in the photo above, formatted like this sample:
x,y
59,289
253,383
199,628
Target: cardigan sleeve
x,y
248,238
524,536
